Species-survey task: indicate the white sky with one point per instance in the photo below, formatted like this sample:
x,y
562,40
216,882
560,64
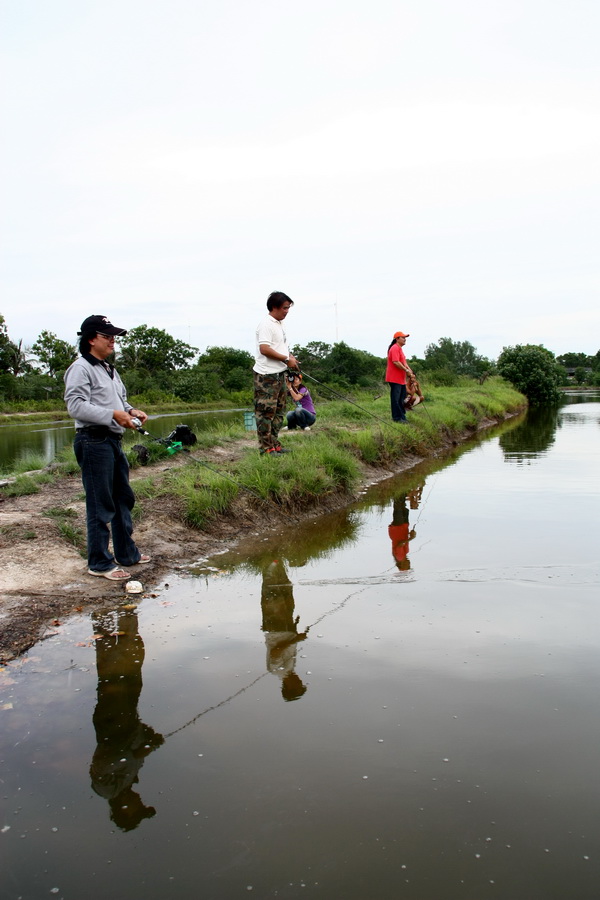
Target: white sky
x,y
431,166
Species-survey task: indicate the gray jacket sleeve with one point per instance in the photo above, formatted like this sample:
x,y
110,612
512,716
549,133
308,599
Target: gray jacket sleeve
x,y
92,395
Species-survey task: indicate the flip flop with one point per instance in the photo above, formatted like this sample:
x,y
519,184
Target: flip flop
x,y
144,558
114,574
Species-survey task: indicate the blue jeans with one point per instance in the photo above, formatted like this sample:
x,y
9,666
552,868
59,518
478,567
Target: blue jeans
x,y
300,418
397,398
108,500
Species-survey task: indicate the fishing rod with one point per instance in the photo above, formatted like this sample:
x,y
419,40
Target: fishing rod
x,y
347,399
174,446
354,403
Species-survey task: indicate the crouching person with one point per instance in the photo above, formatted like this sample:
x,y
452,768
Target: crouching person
x,y
304,415
414,394
97,400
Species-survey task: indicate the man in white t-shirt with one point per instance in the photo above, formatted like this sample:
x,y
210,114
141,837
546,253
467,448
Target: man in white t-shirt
x,y
273,358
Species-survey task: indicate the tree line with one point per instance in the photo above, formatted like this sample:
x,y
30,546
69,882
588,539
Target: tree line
x,y
158,368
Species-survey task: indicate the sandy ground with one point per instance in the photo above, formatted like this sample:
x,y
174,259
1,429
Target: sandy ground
x,y
43,578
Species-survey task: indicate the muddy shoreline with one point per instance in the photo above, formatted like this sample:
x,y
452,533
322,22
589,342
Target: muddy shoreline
x,y
44,579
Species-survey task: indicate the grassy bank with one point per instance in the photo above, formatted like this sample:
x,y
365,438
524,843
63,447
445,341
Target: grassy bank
x,y
225,468
330,460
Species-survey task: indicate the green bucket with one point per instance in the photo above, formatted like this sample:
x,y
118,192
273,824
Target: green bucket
x,y
249,420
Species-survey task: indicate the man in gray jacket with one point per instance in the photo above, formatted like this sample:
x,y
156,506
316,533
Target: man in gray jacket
x,y
97,400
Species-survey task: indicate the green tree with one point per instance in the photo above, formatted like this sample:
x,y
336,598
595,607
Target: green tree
x,y
573,360
459,357
233,368
355,367
54,354
533,370
340,364
5,343
12,357
195,386
153,350
313,358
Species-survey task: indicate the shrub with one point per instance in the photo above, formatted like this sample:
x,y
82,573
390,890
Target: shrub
x,y
533,370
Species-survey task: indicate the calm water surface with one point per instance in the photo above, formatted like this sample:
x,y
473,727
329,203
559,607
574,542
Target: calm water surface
x,y
398,701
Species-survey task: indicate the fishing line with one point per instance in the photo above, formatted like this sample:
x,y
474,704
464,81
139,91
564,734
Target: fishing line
x,y
426,500
259,677
354,403
216,705
347,399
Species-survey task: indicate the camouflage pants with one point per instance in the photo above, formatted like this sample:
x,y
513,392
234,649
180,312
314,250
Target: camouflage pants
x,y
270,399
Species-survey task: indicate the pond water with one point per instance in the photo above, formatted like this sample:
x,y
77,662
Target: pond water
x,y
49,438
398,700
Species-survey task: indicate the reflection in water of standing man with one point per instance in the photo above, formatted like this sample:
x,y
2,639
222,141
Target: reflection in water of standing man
x,y
123,740
281,628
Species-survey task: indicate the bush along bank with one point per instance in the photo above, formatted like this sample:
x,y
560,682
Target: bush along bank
x,y
327,464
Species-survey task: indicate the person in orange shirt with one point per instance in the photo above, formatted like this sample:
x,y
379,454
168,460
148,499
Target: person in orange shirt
x,y
395,375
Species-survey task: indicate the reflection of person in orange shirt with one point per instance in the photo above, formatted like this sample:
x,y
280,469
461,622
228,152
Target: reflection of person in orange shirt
x,y
399,533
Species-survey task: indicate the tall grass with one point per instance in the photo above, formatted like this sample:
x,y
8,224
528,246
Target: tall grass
x,y
315,468
146,488
26,484
30,461
20,487
65,462
73,535
201,494
60,512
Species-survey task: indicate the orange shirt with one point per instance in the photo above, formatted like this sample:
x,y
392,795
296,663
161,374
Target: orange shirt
x,y
399,538
392,372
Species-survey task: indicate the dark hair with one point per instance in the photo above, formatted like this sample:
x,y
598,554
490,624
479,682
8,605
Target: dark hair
x,y
391,345
277,299
84,341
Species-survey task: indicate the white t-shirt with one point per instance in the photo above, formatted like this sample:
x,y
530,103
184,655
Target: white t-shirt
x,y
270,331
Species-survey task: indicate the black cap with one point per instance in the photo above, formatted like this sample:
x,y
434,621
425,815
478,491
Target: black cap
x,y
99,324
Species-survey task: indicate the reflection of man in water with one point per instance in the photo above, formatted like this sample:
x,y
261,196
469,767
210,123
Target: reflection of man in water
x,y
398,530
281,629
123,740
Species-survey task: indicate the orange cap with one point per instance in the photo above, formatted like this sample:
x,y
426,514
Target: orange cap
x,y
400,334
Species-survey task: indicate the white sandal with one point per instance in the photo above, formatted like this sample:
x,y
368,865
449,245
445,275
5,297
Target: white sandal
x,y
114,574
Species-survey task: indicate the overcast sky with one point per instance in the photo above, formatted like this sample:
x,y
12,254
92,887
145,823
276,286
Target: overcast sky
x,y
431,166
